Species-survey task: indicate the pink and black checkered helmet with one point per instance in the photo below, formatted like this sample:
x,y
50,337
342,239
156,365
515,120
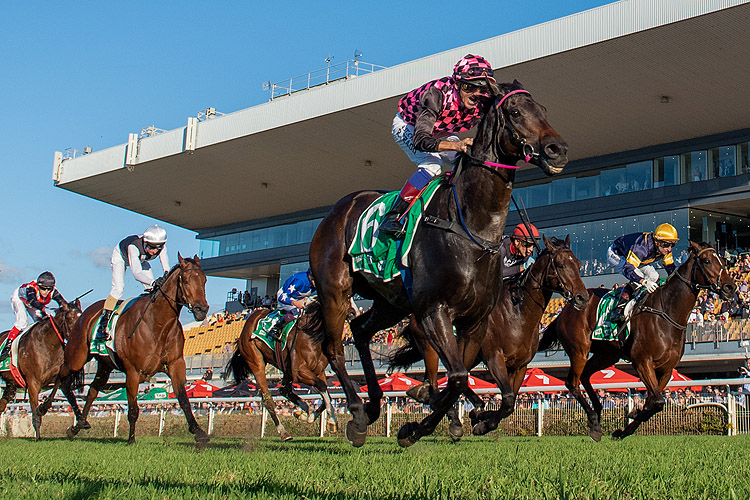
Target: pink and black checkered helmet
x,y
472,67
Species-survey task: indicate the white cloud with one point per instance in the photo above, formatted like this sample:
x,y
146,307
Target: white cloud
x,y
10,274
100,258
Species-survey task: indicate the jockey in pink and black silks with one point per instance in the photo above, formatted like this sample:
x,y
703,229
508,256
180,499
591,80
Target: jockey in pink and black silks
x,y
426,123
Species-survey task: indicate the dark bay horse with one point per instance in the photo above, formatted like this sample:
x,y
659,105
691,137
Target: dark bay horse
x,y
148,339
302,361
456,273
656,342
512,334
40,354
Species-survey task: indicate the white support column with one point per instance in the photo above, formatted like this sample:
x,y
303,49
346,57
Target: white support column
x,y
161,420
731,414
323,418
539,417
118,414
57,169
191,134
211,420
388,417
131,153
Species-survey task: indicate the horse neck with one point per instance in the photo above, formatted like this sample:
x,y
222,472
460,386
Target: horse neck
x,y
534,297
674,291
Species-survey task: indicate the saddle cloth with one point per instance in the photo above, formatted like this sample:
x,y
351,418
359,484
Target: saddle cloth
x,y
10,363
606,329
379,254
265,324
108,348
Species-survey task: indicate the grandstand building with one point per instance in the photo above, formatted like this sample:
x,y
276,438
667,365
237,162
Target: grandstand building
x,y
650,95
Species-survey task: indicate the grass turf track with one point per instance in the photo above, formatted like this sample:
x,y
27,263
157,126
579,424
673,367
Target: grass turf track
x,y
662,467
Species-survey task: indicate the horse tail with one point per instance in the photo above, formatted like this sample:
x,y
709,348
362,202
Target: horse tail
x,y
314,325
407,354
237,365
549,338
77,380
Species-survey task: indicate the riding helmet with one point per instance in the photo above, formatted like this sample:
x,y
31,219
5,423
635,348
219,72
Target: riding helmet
x,y
472,67
46,279
521,232
666,232
155,234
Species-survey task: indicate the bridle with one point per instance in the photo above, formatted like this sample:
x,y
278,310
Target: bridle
x,y
563,289
183,301
63,339
692,283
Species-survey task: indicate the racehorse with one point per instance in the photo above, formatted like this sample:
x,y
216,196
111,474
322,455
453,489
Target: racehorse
x,y
302,360
148,339
455,267
40,354
512,334
656,342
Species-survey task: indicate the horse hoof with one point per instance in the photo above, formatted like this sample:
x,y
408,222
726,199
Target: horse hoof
x,y
286,437
456,432
71,432
617,435
373,412
419,393
356,438
201,437
85,425
131,441
482,428
474,417
407,434
596,435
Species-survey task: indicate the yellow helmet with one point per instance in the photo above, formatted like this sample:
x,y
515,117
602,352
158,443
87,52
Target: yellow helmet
x,y
666,232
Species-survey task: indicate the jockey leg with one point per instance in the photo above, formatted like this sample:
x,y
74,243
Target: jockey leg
x,y
109,307
391,223
118,286
11,337
275,331
618,312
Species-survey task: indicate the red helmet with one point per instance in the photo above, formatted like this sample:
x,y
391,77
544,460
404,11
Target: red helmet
x,y
522,233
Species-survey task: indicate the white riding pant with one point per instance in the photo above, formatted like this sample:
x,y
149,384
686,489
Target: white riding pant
x,y
403,133
118,273
22,312
647,271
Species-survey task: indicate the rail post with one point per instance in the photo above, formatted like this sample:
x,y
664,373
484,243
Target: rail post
x,y
263,422
210,420
161,420
388,416
539,416
118,414
323,418
731,415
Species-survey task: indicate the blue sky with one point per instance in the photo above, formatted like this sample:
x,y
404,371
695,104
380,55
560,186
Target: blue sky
x,y
79,74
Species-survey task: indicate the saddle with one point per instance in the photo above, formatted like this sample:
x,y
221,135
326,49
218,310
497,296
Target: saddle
x,y
608,330
10,362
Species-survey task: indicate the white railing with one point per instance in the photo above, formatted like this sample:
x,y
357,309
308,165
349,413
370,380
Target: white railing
x,y
333,72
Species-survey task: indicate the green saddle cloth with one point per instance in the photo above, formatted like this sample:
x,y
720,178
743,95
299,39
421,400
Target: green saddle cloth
x,y
606,329
265,324
379,254
100,347
5,362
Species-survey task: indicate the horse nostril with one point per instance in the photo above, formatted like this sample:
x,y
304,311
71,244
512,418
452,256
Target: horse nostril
x,y
555,150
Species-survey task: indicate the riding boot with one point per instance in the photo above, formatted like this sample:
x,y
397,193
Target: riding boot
x,y
275,331
12,334
101,333
391,223
618,312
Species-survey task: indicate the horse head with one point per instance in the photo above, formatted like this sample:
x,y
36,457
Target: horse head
x,y
516,128
190,282
562,272
66,317
709,271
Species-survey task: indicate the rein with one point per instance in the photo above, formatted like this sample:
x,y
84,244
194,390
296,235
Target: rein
x,y
54,327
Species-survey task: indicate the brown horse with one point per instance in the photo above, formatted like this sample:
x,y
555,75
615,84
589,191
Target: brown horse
x,y
512,334
302,361
40,354
148,339
656,342
454,264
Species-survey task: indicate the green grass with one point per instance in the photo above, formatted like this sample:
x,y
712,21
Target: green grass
x,y
660,467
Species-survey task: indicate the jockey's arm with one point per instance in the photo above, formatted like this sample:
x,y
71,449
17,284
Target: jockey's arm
x,y
57,297
31,299
135,266
164,259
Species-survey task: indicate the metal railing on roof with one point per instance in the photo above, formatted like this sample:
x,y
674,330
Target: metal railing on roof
x,y
333,72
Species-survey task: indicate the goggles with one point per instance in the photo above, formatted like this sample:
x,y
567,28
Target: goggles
x,y
666,244
153,246
45,288
470,88
478,72
524,243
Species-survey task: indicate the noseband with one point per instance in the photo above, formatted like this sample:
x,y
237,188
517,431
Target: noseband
x,y
692,283
564,290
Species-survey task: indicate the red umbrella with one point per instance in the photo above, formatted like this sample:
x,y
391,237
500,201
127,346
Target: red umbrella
x,y
679,377
535,377
396,382
200,389
474,383
612,375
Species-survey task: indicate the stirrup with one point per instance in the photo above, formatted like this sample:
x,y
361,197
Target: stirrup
x,y
393,227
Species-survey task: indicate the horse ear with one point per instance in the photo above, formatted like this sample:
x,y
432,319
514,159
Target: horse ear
x,y
495,89
197,259
516,82
546,241
694,247
77,304
567,241
179,258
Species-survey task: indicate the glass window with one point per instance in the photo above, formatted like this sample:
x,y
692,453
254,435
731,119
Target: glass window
x,y
562,190
666,171
742,158
537,196
638,175
613,181
694,166
587,187
724,161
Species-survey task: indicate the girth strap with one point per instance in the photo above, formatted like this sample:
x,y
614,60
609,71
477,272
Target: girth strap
x,y
665,316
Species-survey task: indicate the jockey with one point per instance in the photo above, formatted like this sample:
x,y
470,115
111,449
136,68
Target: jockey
x,y
31,298
134,251
293,298
516,250
628,253
426,123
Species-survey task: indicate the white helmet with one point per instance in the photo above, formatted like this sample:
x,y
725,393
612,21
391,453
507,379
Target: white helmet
x,y
155,234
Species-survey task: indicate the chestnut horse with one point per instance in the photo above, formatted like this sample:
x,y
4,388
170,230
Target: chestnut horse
x,y
656,342
148,339
40,354
512,335
455,268
302,361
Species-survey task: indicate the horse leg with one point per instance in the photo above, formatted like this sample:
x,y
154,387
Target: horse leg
x,y
47,403
67,389
287,390
489,420
655,384
9,393
322,388
103,370
36,419
364,327
573,383
439,329
600,360
176,372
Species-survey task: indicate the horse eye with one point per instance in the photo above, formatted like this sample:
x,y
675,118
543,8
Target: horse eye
x,y
515,113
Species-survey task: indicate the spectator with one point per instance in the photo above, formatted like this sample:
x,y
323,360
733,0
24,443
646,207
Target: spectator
x,y
209,374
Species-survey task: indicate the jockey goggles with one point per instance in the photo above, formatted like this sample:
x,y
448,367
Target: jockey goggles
x,y
477,72
153,246
45,288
